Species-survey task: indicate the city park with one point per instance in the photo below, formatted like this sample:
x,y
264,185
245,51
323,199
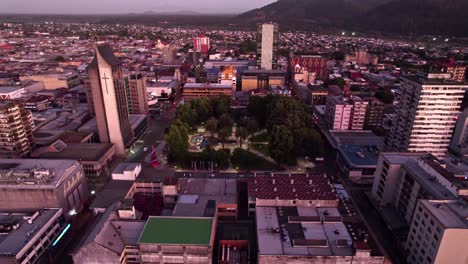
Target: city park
x,y
271,133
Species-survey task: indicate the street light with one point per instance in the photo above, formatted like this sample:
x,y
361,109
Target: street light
x,y
72,212
93,192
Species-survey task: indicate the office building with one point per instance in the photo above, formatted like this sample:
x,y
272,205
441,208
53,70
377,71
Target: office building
x,y
282,190
206,198
109,99
427,114
55,80
94,157
297,234
401,179
137,97
344,113
16,126
201,44
362,57
29,237
32,184
457,71
267,42
297,221
438,232
261,79
192,91
374,114
177,240
11,92
310,64
169,54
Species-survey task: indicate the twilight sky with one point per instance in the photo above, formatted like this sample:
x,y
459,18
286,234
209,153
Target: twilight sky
x,y
128,6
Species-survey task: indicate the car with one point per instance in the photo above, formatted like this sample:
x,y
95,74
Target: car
x,y
145,149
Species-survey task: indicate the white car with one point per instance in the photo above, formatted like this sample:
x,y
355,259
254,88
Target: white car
x,y
145,149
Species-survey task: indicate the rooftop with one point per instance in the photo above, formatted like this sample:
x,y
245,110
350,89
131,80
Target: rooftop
x,y
177,230
11,242
437,190
208,85
291,187
302,231
35,173
9,89
358,138
106,52
452,214
199,197
360,156
80,152
125,166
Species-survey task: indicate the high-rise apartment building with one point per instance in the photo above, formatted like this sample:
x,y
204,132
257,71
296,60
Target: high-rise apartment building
x,y
267,42
438,232
137,98
426,114
457,72
109,98
459,143
345,113
201,44
16,128
374,114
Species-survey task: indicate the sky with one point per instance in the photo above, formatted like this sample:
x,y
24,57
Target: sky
x,y
128,6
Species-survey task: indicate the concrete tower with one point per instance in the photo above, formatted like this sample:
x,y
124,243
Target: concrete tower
x,y
107,88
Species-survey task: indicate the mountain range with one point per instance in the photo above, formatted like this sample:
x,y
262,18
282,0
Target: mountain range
x,y
447,17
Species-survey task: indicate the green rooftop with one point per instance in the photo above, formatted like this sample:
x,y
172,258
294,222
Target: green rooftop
x,y
173,230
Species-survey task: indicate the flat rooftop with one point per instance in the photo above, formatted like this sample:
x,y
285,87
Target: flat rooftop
x,y
363,138
208,85
125,166
452,214
199,197
177,231
302,231
290,187
9,89
35,173
360,156
80,151
436,189
12,242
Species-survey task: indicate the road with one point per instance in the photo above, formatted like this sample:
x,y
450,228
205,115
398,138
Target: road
x,y
154,136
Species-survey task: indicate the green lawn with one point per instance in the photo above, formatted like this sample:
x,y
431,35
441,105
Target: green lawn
x,y
174,230
262,148
245,160
262,137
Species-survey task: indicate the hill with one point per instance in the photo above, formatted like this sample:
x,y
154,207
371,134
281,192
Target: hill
x,y
396,16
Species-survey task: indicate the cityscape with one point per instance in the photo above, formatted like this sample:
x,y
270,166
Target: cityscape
x,y
268,132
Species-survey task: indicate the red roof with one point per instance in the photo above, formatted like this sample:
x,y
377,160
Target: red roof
x,y
290,187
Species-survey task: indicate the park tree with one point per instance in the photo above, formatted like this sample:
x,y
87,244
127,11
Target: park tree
x,y
187,114
177,141
241,134
221,105
223,134
252,126
203,107
211,125
281,145
225,120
